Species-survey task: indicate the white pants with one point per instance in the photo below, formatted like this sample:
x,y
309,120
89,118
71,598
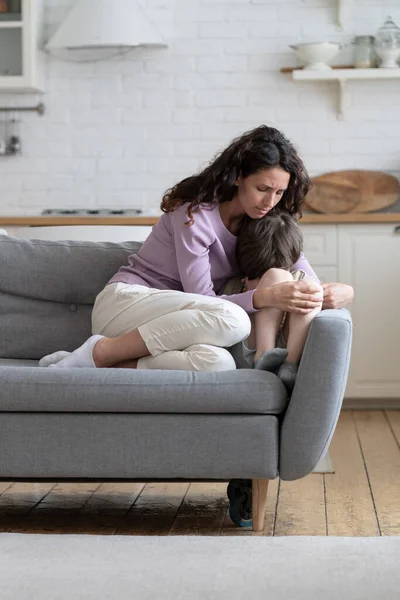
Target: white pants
x,y
181,331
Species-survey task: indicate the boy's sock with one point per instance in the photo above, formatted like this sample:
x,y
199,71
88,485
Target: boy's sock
x,y
81,357
271,359
287,374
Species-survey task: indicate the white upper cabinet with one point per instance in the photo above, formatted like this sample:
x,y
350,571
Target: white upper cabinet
x,y
20,40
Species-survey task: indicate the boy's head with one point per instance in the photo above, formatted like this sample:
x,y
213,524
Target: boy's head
x,y
275,241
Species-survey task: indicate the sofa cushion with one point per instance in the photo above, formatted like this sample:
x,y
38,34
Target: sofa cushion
x,y
35,389
47,290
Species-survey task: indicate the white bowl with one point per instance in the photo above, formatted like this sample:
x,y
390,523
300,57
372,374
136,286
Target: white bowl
x,y
316,55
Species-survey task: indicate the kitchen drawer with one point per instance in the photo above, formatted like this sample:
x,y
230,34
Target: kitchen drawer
x,y
92,233
320,244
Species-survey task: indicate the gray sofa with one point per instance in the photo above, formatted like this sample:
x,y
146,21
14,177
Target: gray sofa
x,y
125,424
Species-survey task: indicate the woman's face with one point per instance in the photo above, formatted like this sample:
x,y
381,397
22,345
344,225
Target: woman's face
x,y
257,194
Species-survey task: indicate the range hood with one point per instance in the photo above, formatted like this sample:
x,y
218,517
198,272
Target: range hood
x,y
100,29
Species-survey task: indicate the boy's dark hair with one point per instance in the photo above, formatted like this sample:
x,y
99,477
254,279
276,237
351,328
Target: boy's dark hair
x,y
275,241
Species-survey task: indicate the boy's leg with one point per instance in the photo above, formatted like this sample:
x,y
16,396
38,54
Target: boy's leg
x,y
266,323
295,331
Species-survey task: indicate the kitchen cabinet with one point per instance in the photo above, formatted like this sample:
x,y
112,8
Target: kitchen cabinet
x,y
20,36
366,257
320,248
369,260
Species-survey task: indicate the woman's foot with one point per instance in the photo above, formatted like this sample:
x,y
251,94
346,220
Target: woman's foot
x,y
287,374
271,359
51,359
79,358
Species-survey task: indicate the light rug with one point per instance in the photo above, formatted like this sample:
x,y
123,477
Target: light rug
x,y
92,567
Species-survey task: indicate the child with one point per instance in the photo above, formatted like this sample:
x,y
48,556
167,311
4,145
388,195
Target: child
x,y
275,241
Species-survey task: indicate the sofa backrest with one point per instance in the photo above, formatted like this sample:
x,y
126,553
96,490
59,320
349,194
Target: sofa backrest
x,y
47,290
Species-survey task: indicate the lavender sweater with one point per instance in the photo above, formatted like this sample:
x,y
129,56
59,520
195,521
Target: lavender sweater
x,y
198,259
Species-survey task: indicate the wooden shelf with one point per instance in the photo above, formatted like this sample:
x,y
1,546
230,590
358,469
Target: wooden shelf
x,y
334,67
10,24
342,75
346,74
10,17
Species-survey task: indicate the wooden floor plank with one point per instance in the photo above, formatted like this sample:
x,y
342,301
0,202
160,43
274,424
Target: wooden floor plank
x,y
155,510
58,510
5,485
301,507
382,458
393,417
349,505
83,508
18,500
203,510
27,494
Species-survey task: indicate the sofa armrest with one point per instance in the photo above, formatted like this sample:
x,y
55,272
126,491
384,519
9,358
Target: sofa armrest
x,y
313,411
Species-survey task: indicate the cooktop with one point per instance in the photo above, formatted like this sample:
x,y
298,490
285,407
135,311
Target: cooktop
x,y
92,211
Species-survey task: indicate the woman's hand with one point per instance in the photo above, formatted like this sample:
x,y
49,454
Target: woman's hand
x,y
337,295
291,296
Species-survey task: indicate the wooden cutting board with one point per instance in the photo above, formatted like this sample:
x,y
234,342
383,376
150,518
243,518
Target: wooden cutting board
x,y
352,191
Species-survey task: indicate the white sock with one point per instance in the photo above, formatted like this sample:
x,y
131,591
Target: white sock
x,y
81,357
49,359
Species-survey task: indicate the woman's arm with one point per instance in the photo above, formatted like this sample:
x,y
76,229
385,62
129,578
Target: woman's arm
x,y
336,295
192,255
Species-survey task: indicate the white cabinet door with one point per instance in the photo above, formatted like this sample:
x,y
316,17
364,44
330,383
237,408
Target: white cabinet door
x,y
6,230
320,244
21,62
325,273
369,260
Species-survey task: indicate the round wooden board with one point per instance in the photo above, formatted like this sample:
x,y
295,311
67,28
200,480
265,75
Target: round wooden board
x,y
352,191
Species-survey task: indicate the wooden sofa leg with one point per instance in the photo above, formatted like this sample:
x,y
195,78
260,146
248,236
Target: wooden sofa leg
x,y
259,488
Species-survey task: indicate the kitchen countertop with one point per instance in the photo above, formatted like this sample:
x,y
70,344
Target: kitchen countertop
x,y
31,221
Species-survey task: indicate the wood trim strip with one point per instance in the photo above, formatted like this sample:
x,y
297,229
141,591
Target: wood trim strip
x,y
27,221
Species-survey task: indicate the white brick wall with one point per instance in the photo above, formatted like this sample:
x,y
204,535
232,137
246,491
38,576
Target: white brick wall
x,y
118,133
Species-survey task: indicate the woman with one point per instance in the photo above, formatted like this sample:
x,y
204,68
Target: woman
x,y
162,311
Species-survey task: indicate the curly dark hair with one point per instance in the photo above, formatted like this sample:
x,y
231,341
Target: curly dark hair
x,y
274,241
261,148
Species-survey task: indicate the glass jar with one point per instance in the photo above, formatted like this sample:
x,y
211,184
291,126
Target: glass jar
x,y
387,44
364,52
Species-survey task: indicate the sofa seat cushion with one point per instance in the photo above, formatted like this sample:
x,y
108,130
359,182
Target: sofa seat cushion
x,y
18,362
25,388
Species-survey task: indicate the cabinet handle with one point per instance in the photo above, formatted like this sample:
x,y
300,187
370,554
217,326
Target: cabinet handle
x,y
396,229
